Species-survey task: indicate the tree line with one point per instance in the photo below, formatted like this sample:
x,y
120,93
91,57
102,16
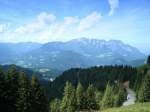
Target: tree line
x,y
98,76
81,99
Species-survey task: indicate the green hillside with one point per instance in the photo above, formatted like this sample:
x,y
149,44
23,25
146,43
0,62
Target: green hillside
x,y
139,107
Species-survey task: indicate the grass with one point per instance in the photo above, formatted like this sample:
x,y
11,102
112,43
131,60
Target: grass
x,y
139,107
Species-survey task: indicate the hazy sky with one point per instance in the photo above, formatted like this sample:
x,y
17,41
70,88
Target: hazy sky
x,y
61,20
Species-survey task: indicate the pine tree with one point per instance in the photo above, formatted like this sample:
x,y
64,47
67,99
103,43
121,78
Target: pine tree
x,y
2,90
80,97
24,94
55,105
98,98
91,102
148,60
68,103
107,100
2,82
119,96
12,88
39,100
141,93
144,92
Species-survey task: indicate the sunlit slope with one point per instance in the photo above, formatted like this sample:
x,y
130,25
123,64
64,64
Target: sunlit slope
x,y
140,107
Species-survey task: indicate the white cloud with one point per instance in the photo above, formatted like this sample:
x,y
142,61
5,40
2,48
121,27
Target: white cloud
x,y
114,4
58,30
42,20
70,20
46,28
89,21
4,27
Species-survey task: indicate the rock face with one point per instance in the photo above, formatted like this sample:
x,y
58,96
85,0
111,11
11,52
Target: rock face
x,y
131,97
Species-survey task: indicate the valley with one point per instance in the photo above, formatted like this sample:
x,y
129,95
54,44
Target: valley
x,y
51,59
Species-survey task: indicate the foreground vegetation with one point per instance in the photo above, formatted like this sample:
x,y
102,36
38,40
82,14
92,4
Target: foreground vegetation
x,y
139,107
19,93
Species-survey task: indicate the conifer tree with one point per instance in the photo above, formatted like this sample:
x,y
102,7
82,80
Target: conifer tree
x,y
144,92
2,82
80,97
98,98
55,105
2,90
148,60
91,102
119,97
24,94
141,97
39,100
68,103
107,100
12,88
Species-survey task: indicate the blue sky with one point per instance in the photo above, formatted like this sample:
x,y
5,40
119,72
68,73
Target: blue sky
x,y
62,20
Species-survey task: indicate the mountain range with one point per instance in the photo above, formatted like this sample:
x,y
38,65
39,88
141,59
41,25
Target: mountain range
x,y
82,52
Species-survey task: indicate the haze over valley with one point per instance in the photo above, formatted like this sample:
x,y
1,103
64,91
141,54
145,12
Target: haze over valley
x,y
60,56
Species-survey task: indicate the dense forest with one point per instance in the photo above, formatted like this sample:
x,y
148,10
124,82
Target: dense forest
x,y
19,94
77,89
98,76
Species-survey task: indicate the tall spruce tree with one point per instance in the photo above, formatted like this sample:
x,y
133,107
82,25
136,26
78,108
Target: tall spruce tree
x,y
144,92
107,100
91,102
80,97
12,88
98,98
120,96
39,100
24,94
68,103
2,90
148,60
55,106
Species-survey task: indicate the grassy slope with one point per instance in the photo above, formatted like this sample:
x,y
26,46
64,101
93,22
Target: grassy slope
x,y
139,107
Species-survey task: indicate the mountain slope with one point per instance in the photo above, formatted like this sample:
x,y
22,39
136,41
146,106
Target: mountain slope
x,y
81,52
96,48
139,107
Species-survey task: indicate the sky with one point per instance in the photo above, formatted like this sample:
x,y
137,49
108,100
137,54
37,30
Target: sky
x,y
62,20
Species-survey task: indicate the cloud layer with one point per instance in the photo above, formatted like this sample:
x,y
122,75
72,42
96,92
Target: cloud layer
x,y
89,21
47,27
42,20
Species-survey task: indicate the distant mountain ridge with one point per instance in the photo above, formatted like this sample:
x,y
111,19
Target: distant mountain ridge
x,y
82,52
95,47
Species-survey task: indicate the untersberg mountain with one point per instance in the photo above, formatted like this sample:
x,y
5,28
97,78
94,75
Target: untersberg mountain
x,y
80,52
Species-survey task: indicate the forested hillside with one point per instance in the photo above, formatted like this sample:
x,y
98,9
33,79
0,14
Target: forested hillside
x,y
83,91
95,88
98,76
